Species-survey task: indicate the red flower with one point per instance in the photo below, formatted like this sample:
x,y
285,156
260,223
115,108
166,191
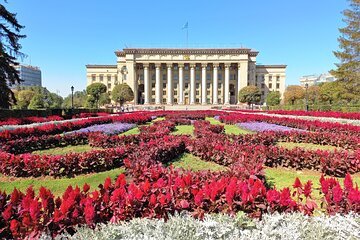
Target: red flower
x,y
7,213
199,198
307,188
14,226
34,210
86,188
162,199
297,183
337,193
152,200
107,183
348,183
89,212
184,204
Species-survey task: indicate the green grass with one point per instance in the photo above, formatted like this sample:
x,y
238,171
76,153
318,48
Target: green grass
x,y
158,119
310,146
191,162
130,132
229,129
183,129
65,150
283,177
57,186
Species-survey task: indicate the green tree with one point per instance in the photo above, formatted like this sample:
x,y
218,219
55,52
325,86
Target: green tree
x,y
122,93
104,99
55,101
79,100
90,102
95,90
348,70
249,95
293,93
37,102
273,98
9,51
23,98
313,93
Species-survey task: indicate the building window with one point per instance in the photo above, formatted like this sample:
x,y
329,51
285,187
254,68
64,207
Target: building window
x,y
270,78
277,85
219,100
175,92
93,78
109,78
187,77
197,77
175,100
101,77
152,92
186,85
153,85
153,77
219,76
208,76
263,85
164,92
197,100
186,67
197,68
270,85
197,85
197,92
176,77
164,85
208,85
219,92
164,100
277,78
109,86
164,77
208,92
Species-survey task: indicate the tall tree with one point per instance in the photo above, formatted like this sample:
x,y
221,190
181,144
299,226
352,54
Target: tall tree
x,y
23,98
249,95
95,90
293,93
273,98
122,93
348,70
79,100
9,51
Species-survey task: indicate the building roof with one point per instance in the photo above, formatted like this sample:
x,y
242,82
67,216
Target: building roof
x,y
271,66
125,51
100,66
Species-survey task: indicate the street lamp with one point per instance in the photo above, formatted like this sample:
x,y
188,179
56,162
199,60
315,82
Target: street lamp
x,y
306,96
72,100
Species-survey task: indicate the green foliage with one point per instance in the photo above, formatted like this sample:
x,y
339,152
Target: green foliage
x,y
313,93
54,100
249,95
79,100
273,98
37,102
23,98
9,51
104,99
122,93
90,102
294,93
95,90
348,69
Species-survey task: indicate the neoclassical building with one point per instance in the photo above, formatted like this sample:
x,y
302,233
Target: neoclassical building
x,y
188,76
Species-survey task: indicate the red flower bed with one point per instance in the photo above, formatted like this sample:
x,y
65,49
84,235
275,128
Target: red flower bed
x,y
28,120
347,115
49,129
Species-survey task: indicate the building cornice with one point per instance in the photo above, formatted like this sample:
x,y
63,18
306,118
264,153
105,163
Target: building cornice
x,y
186,51
100,66
271,66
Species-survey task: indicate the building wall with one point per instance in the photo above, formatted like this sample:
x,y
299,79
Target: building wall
x,y
30,75
131,63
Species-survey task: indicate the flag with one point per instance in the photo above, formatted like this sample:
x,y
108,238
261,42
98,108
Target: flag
x,y
186,25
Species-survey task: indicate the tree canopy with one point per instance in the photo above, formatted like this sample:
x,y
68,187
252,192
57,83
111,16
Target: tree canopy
x,y
79,100
249,95
273,98
9,51
122,93
294,93
95,90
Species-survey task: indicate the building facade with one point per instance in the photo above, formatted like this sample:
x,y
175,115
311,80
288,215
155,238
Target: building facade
x,y
188,76
316,79
30,75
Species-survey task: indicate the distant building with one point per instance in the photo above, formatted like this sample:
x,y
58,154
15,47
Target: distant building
x,y
316,79
30,75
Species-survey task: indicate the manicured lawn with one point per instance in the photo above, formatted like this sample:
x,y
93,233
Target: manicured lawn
x,y
183,129
229,129
65,150
57,186
159,119
189,161
283,177
130,132
310,146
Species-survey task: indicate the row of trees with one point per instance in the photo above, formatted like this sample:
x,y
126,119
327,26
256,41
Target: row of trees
x,y
94,96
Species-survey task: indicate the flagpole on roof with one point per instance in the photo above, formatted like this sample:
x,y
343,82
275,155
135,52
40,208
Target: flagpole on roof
x,y
186,25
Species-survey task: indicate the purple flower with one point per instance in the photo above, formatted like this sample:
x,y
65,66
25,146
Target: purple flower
x,y
217,118
110,129
263,126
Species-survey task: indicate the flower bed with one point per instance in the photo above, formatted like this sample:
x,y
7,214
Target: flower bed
x,y
109,129
28,120
263,126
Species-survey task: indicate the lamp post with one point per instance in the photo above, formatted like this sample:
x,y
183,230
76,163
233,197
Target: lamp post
x,y
306,97
72,100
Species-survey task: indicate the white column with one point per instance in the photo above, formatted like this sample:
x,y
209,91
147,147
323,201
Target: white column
x,y
215,84
203,84
181,84
146,84
192,84
157,85
238,88
136,79
170,90
227,82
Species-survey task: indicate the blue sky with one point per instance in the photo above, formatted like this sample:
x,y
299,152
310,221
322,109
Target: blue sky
x,y
63,36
